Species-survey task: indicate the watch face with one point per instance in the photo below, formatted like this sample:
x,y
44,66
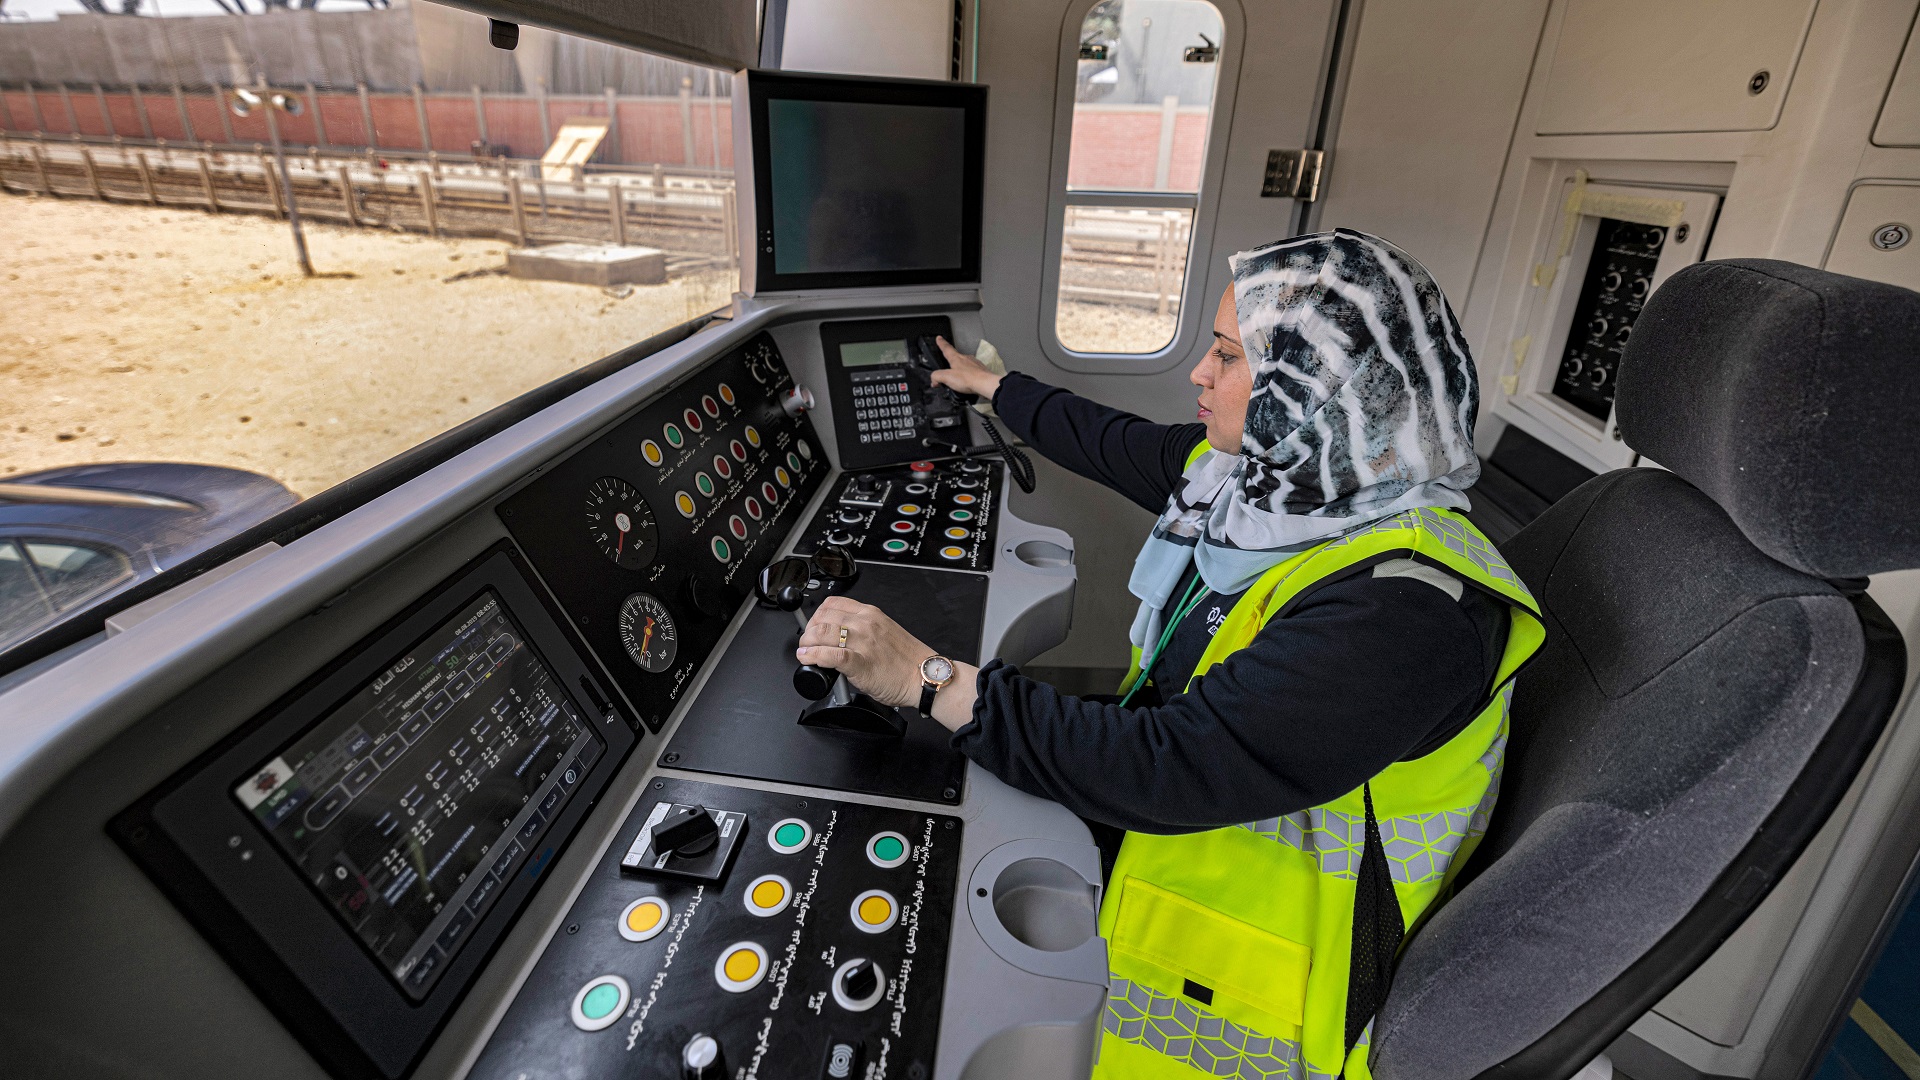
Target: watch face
x,y
936,669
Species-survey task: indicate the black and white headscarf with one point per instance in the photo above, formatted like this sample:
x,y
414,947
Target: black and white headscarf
x,y
1363,403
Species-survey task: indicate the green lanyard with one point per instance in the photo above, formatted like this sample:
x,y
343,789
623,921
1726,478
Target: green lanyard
x,y
1194,594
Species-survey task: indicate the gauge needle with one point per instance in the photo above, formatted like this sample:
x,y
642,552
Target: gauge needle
x,y
620,547
646,637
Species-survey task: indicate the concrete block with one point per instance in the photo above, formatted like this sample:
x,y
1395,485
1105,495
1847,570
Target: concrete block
x,y
590,264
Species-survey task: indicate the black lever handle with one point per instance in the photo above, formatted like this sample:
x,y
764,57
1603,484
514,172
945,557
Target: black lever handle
x,y
813,683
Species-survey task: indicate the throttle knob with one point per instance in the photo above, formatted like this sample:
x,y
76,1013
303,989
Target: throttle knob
x,y
813,683
861,980
701,1059
687,833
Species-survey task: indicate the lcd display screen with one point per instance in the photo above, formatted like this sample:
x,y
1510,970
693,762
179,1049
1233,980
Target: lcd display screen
x,y
863,186
855,354
412,803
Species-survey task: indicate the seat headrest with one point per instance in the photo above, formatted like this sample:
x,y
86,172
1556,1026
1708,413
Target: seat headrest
x,y
1791,397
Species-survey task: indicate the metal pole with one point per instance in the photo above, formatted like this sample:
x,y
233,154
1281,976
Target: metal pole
x,y
479,114
66,102
106,116
39,115
206,182
226,113
366,118
140,110
319,122
519,208
420,114
686,120
546,135
146,178
93,174
617,208
425,180
186,121
40,166
616,152
713,119
286,186
346,197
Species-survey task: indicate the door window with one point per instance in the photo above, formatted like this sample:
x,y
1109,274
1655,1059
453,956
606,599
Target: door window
x,y
1143,104
21,603
71,572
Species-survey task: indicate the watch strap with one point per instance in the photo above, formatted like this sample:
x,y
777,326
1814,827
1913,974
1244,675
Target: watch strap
x,y
927,693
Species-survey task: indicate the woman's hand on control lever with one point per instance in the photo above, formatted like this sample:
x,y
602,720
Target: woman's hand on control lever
x,y
882,660
967,375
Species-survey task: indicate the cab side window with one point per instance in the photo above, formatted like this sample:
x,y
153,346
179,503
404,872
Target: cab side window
x,y
1143,104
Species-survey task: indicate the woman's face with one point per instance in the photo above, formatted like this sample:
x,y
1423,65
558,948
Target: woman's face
x,y
1224,381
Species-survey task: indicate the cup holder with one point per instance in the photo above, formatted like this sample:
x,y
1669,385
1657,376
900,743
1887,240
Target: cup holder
x,y
1036,904
1045,905
1043,553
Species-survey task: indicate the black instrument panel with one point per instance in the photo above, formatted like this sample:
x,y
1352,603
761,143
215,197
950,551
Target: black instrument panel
x,y
358,850
817,947
923,513
650,537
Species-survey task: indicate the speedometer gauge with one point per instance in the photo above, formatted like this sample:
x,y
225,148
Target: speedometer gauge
x,y
620,523
648,633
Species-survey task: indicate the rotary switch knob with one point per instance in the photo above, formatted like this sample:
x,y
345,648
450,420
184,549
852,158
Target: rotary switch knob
x,y
701,1059
839,536
861,980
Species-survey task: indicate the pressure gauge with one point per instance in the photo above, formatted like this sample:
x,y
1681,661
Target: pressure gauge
x,y
620,523
647,632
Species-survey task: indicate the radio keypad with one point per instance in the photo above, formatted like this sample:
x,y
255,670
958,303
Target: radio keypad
x,y
883,406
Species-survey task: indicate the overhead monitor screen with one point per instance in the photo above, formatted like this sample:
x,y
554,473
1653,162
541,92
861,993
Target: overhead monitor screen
x,y
861,187
410,805
860,182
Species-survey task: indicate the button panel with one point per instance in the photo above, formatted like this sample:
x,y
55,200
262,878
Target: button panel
x,y
801,947
924,514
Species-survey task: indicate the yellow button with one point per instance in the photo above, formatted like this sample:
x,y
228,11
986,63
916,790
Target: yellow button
x,y
741,967
768,895
644,918
875,911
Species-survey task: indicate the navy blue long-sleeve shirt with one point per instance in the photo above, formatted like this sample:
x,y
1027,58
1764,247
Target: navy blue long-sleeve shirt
x,y
1379,666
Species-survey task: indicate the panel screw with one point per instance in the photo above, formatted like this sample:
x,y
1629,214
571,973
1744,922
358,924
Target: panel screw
x,y
949,824
583,620
1892,236
1758,84
1681,232
573,928
948,793
670,758
657,785
979,892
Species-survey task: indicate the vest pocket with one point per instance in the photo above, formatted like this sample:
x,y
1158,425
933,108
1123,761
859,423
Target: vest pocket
x,y
1174,945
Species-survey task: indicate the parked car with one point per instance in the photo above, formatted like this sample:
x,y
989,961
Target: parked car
x,y
70,536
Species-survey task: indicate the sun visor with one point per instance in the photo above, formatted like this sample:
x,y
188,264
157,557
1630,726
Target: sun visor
x,y
718,33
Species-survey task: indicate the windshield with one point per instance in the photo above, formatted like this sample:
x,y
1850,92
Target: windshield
x,y
271,248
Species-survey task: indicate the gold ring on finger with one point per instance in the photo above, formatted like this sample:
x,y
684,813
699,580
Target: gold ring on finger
x,y
843,637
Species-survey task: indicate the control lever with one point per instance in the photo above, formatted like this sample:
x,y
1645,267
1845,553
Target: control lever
x,y
784,585
946,409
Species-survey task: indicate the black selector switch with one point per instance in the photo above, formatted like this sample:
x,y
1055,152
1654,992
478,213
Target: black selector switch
x,y
701,1059
687,833
846,1059
861,980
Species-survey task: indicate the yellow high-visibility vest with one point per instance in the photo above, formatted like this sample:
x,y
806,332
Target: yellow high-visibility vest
x,y
1231,950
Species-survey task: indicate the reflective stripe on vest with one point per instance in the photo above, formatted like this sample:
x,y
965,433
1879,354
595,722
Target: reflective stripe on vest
x,y
1231,949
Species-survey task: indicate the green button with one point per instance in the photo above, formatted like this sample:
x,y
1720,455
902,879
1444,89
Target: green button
x,y
789,835
600,1001
888,849
793,463
674,438
721,551
895,546
705,484
961,515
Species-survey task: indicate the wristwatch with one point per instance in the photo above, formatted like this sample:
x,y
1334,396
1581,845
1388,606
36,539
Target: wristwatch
x,y
935,672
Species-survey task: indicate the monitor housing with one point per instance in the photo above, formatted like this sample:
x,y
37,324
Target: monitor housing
x,y
857,183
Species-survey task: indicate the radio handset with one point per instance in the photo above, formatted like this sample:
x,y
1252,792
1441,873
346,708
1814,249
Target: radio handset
x,y
946,411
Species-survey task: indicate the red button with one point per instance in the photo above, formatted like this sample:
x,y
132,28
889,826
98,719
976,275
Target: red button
x,y
710,406
738,449
767,492
903,526
753,508
921,467
739,527
692,418
722,466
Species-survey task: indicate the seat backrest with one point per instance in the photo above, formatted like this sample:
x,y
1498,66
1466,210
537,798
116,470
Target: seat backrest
x,y
1713,677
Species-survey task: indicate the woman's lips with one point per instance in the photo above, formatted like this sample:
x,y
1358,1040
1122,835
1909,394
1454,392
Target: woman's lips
x,y
1205,412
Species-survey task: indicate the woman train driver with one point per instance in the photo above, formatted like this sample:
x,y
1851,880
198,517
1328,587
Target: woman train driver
x,y
1312,733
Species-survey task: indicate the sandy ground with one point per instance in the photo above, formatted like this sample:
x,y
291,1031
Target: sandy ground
x,y
142,334
1085,327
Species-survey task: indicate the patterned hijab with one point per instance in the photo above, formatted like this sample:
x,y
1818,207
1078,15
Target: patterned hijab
x,y
1363,403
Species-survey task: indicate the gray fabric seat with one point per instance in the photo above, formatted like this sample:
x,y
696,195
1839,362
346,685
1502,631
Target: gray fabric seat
x,y
1713,678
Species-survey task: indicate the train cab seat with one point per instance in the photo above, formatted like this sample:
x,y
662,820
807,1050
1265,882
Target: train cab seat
x,y
1714,674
